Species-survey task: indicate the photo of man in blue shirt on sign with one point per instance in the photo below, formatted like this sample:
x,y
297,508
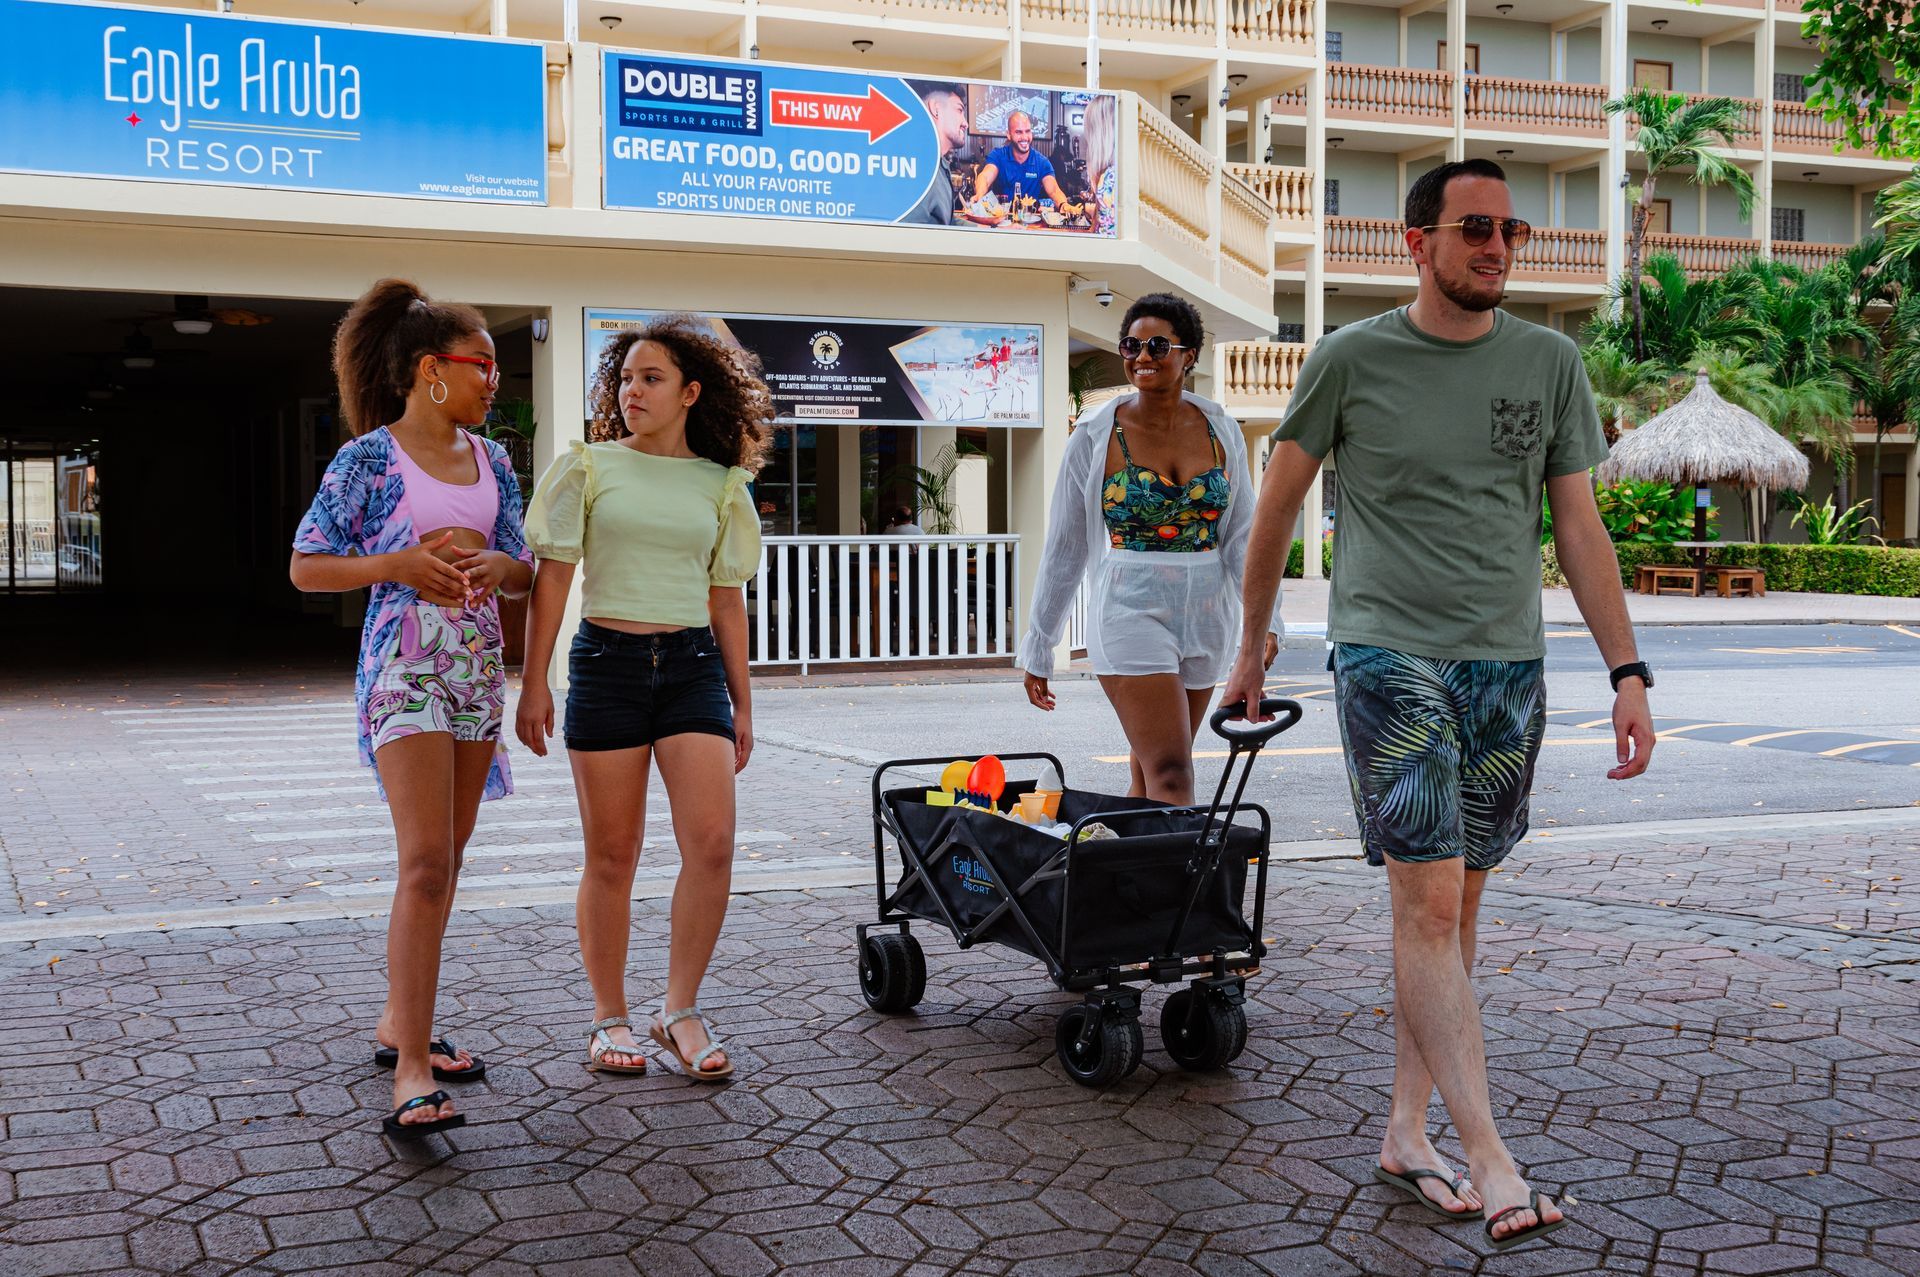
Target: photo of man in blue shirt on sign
x,y
1017,164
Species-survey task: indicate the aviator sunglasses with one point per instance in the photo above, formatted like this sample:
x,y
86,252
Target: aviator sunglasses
x,y
1477,228
1156,347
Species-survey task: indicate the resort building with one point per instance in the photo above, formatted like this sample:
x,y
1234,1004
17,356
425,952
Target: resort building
x,y
191,193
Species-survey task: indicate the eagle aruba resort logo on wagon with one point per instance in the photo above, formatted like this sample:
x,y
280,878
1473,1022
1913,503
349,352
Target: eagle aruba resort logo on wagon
x,y
227,99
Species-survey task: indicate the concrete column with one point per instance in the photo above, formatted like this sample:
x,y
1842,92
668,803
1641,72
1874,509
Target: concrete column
x,y
1615,67
1315,309
1093,44
1310,519
583,85
560,409
750,29
1033,463
1910,517
1457,65
497,18
837,479
1763,60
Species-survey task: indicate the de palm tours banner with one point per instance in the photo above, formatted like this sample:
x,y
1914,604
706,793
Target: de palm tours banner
x,y
872,372
163,95
755,139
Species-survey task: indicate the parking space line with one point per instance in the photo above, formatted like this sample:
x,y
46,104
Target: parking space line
x,y
1870,744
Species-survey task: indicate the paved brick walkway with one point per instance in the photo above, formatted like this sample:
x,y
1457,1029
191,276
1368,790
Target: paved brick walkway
x,y
1704,1038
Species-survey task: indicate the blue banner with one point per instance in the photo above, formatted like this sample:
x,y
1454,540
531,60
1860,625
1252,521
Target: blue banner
x,y
754,139
157,95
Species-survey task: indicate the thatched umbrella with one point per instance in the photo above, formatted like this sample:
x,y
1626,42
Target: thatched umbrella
x,y
1704,440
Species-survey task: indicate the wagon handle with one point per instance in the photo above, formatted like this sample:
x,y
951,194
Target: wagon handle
x,y
1254,735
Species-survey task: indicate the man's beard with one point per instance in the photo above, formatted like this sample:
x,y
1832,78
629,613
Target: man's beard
x,y
1463,297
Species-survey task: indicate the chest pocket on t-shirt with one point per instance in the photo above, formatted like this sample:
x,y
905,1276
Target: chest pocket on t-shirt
x,y
1516,428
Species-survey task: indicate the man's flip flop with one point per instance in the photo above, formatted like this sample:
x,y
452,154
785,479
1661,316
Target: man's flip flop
x,y
393,1126
1410,1182
387,1058
1526,1234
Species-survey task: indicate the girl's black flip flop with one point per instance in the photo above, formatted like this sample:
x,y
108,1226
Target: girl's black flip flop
x,y
1526,1234
1409,1182
386,1057
393,1126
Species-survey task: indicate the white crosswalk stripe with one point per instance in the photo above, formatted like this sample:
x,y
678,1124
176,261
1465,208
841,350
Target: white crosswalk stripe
x,y
187,711
363,792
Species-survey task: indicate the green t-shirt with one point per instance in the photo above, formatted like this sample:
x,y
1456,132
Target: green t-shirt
x,y
1442,450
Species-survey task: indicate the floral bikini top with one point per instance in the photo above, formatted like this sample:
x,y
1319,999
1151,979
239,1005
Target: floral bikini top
x,y
1147,511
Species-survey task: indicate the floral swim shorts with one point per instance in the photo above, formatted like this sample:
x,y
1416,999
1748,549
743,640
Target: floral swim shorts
x,y
445,674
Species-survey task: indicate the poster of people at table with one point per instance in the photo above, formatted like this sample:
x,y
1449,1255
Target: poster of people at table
x,y
755,139
870,372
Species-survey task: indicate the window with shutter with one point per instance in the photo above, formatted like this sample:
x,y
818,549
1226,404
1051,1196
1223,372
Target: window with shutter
x,y
1790,224
1789,88
1332,186
1333,46
1295,333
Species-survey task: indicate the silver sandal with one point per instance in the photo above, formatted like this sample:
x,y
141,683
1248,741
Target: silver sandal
x,y
600,1044
660,1030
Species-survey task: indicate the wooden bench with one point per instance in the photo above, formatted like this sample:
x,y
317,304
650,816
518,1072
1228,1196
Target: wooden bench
x,y
1749,581
1662,578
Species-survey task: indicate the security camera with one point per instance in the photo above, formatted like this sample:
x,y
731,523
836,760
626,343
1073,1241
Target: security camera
x,y
1098,287
1104,297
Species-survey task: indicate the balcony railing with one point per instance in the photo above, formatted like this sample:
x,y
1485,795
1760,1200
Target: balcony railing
x,y
1259,373
1180,203
1703,254
1287,191
1256,23
1405,94
1808,256
1501,102
1799,127
1378,246
1279,25
1246,230
981,12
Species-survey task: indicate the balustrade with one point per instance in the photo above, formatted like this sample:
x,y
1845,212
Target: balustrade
x,y
1502,101
1288,191
1260,372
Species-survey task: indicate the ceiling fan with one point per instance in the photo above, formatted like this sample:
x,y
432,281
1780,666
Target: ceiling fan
x,y
191,316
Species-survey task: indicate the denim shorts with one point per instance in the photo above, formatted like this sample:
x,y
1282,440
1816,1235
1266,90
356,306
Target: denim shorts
x,y
1440,754
629,690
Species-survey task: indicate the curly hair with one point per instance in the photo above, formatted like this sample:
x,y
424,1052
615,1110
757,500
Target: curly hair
x,y
730,421
1180,314
382,338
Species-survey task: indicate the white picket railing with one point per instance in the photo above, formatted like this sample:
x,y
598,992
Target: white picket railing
x,y
848,600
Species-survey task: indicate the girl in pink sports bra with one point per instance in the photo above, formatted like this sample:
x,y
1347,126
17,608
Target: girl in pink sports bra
x,y
427,517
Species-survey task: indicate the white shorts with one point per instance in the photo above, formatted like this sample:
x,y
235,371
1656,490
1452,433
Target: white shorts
x,y
1163,612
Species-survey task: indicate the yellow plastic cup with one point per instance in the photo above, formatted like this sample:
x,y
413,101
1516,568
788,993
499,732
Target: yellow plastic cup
x,y
1033,807
1050,799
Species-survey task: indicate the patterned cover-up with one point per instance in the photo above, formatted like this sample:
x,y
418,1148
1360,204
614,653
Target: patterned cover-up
x,y
1149,511
359,510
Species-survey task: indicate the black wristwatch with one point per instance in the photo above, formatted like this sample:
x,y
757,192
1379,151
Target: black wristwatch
x,y
1633,669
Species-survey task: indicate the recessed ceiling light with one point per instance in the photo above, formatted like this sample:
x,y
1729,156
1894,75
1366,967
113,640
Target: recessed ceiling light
x,y
1659,24
1330,288
193,327
1503,9
862,45
609,20
1237,79
1181,99
1812,172
1335,141
1506,154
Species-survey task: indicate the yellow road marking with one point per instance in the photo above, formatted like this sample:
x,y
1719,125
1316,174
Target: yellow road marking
x,y
1901,629
1304,750
1755,740
1790,651
1596,722
1869,744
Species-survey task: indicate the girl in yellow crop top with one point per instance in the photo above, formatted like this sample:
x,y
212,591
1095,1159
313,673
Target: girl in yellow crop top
x,y
657,517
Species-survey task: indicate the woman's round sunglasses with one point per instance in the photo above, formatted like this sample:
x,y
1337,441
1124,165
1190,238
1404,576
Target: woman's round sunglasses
x,y
1156,347
1477,228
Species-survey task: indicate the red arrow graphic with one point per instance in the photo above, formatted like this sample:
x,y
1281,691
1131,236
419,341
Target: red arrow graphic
x,y
875,114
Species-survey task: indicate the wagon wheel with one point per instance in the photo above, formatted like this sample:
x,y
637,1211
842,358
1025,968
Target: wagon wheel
x,y
1202,1031
893,972
1113,1052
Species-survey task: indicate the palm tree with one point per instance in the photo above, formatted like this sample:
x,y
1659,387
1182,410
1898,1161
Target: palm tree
x,y
1899,213
1676,134
1625,390
1886,380
1676,315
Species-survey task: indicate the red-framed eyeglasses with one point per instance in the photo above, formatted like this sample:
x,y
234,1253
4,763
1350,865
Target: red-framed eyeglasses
x,y
488,368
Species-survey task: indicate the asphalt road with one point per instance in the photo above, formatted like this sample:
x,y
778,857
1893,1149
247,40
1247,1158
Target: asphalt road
x,y
1859,684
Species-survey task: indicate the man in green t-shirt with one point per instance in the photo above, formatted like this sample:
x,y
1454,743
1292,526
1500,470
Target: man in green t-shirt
x,y
1446,420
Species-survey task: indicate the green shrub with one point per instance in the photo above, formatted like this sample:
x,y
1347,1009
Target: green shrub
x,y
1297,558
1812,569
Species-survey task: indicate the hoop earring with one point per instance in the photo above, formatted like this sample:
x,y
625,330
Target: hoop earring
x,y
440,386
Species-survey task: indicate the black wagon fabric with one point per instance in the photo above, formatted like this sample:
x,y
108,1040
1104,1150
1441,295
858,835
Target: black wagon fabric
x,y
1121,901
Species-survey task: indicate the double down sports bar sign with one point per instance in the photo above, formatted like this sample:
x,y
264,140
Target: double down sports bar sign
x,y
162,95
757,139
